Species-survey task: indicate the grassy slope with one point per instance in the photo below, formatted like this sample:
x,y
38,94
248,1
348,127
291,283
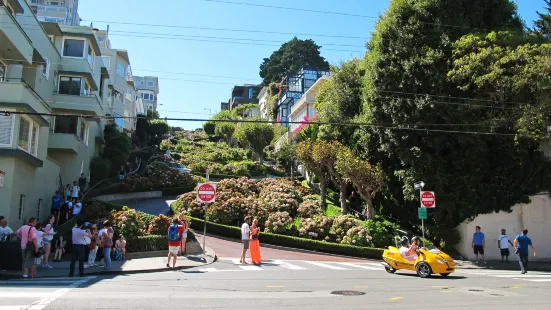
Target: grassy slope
x,y
332,209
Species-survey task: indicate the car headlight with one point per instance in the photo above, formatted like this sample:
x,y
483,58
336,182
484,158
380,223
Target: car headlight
x,y
439,260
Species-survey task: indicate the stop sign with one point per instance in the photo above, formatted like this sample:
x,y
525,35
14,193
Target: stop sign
x,y
428,200
206,192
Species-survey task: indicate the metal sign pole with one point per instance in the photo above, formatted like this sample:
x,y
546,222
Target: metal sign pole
x,y
205,222
422,220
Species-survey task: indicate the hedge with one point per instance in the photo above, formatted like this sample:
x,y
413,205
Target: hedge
x,y
289,241
152,243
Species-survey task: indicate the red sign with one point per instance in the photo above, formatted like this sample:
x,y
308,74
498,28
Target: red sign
x,y
428,200
206,192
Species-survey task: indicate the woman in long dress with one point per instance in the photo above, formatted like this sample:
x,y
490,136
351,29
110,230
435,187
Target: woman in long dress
x,y
254,243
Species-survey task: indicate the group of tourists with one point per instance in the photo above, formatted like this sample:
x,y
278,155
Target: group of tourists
x,y
177,238
250,232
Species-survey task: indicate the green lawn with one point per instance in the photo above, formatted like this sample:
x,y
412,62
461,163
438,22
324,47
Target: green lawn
x,y
332,209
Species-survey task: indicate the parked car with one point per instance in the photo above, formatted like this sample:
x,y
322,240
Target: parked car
x,y
179,167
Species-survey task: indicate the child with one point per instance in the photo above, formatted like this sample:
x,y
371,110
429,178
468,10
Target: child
x,y
59,249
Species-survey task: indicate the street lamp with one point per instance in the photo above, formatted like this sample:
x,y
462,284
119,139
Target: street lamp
x,y
420,185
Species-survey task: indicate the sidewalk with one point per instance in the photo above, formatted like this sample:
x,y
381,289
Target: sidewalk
x,y
497,265
135,265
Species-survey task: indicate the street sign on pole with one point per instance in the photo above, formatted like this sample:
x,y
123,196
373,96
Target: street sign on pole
x,y
206,192
428,200
422,212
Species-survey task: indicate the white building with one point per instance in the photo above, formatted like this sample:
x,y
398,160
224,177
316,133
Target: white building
x,y
64,12
263,103
304,108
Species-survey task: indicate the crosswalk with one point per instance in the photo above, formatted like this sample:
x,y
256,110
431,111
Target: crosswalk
x,y
36,294
531,276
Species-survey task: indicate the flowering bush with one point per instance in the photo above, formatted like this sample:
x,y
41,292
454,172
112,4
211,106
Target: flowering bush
x,y
279,195
342,224
382,232
314,198
228,212
309,208
317,228
128,223
166,145
160,224
278,223
244,187
138,183
187,204
357,236
162,176
302,191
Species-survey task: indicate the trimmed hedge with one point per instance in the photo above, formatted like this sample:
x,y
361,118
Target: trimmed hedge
x,y
152,243
294,242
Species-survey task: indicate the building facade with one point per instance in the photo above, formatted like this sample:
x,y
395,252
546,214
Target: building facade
x,y
64,12
148,90
243,94
48,69
263,103
303,109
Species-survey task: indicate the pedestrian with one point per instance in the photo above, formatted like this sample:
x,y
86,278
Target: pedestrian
x,y
79,236
107,238
478,244
68,191
57,200
120,248
503,245
255,243
122,173
5,231
93,246
64,211
522,242
183,240
47,238
29,246
82,184
77,207
245,236
75,190
39,244
174,241
59,249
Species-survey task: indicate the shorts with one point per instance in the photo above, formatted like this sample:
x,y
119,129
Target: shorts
x,y
28,258
504,252
46,241
184,235
245,244
478,249
174,249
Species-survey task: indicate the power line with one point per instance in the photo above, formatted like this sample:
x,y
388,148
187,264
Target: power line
x,y
406,127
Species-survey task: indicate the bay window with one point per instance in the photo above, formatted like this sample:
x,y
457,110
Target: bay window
x,y
28,135
70,85
91,57
66,124
6,130
73,48
121,70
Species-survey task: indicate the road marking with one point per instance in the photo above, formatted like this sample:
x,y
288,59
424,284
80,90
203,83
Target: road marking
x,y
360,286
440,286
534,280
246,267
325,265
447,291
522,276
13,307
209,270
360,266
274,286
395,298
287,265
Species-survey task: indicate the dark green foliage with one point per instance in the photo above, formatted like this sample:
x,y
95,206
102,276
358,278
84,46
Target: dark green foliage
x,y
542,27
99,169
117,148
209,128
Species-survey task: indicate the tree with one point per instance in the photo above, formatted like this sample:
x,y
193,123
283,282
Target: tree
x,y
367,179
406,88
157,129
117,148
257,136
305,151
289,58
542,26
326,154
286,154
224,129
209,127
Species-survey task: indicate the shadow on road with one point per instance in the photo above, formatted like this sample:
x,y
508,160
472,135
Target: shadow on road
x,y
435,276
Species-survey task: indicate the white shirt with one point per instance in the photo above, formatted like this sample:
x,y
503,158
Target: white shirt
x,y
75,190
69,204
50,237
39,235
77,208
5,231
503,241
404,251
245,231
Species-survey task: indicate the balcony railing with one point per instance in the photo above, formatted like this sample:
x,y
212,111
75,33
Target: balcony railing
x,y
29,87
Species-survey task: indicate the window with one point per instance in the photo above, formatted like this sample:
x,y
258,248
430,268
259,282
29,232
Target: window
x,y
66,124
73,48
128,94
46,68
83,132
6,129
91,56
250,93
3,72
147,96
121,70
101,39
106,62
21,205
87,89
70,85
118,96
24,134
150,84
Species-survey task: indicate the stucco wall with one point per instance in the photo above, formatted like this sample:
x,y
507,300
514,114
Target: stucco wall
x,y
535,216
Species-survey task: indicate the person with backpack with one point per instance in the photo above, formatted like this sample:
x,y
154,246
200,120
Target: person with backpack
x,y
64,211
174,241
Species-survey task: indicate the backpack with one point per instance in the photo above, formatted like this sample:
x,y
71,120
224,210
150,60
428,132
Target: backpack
x,y
64,207
173,233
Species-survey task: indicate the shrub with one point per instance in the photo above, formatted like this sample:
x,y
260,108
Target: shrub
x,y
128,223
95,210
146,218
310,209
138,183
166,145
227,212
279,195
244,187
99,169
187,204
159,225
162,176
176,156
342,224
278,223
317,228
357,236
381,231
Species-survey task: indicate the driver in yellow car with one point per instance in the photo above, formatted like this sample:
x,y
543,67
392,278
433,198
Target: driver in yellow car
x,y
409,252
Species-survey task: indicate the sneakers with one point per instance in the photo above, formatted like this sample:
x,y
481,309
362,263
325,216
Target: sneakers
x,y
47,267
86,265
484,262
167,266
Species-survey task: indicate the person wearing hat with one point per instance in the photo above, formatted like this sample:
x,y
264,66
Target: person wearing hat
x,y
407,251
81,239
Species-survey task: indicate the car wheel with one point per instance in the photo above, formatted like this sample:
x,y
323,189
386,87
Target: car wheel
x,y
444,274
390,270
423,270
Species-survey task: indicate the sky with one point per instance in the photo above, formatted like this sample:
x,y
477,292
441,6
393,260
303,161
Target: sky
x,y
199,49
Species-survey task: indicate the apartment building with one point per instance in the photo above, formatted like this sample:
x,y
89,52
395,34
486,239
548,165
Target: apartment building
x,y
304,108
64,12
243,94
48,69
263,103
148,91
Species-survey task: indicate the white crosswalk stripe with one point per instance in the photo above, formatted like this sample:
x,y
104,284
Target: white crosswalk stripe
x,y
37,293
535,276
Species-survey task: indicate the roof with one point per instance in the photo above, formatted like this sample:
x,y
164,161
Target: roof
x,y
82,31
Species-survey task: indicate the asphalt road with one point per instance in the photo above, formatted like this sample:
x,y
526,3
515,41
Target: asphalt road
x,y
283,284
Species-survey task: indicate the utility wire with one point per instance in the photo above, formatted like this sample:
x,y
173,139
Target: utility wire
x,y
406,127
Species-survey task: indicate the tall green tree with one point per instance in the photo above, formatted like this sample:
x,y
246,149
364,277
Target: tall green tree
x,y
289,58
156,130
256,136
305,151
117,148
407,93
542,26
225,129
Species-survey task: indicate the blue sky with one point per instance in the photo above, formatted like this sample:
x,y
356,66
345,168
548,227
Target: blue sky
x,y
197,70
